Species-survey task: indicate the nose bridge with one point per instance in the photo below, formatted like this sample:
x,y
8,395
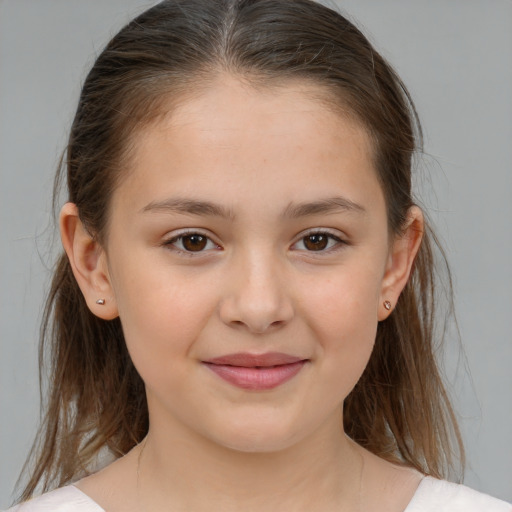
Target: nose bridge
x,y
258,295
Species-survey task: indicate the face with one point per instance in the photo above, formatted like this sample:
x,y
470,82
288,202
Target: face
x,y
248,253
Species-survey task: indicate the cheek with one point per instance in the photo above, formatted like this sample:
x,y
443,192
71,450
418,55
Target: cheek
x,y
162,316
344,301
343,318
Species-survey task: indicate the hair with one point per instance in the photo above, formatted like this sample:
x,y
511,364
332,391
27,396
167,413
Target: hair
x,y
399,409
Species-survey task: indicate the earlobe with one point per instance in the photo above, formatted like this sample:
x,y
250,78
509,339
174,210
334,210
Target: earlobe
x,y
401,258
88,262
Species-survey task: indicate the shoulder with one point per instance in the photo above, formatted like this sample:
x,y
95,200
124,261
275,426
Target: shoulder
x,y
65,499
442,496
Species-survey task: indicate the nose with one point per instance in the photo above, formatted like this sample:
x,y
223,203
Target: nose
x,y
257,297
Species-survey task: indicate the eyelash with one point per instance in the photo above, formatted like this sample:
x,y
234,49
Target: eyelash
x,y
189,234
333,242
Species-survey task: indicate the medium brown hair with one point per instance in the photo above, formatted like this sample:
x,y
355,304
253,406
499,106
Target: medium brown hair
x,y
399,409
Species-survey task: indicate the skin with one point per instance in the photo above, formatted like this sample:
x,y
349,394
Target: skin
x,y
255,287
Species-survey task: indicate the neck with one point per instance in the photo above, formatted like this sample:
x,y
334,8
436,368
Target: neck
x,y
192,473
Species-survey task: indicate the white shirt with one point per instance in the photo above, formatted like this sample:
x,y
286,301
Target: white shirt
x,y
432,495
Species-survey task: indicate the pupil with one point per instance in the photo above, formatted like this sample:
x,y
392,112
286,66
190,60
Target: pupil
x,y
194,242
316,242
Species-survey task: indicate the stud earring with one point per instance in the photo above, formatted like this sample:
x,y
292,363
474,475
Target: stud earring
x,y
101,302
387,304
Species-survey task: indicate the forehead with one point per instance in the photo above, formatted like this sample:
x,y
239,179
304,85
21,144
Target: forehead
x,y
221,111
240,135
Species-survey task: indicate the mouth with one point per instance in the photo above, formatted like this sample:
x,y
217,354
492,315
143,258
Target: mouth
x,y
256,372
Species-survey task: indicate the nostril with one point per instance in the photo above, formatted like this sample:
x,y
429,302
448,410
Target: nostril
x,y
258,329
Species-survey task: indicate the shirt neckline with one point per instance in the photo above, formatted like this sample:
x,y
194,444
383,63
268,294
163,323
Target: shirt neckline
x,y
409,507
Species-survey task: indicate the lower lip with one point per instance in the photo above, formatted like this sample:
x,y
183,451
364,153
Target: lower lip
x,y
257,378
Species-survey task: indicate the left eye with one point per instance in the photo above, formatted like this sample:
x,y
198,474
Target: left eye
x,y
193,242
317,242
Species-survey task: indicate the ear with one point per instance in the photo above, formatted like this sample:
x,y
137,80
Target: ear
x,y
401,257
88,262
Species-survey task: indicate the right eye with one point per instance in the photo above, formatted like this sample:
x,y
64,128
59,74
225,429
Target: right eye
x,y
192,242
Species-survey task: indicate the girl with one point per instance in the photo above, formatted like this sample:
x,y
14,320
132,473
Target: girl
x,y
244,315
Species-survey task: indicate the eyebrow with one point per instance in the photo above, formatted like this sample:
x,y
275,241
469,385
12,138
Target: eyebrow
x,y
324,206
188,206
293,210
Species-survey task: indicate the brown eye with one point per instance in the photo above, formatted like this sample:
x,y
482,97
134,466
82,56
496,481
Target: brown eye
x,y
319,241
316,241
191,243
194,243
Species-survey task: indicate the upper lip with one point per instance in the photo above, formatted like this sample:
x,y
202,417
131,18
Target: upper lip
x,y
248,360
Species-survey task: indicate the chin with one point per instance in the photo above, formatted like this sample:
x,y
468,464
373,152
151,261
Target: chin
x,y
256,436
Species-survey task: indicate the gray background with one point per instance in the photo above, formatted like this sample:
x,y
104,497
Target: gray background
x,y
456,58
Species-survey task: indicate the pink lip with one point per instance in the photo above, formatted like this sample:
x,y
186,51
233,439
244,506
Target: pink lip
x,y
256,371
